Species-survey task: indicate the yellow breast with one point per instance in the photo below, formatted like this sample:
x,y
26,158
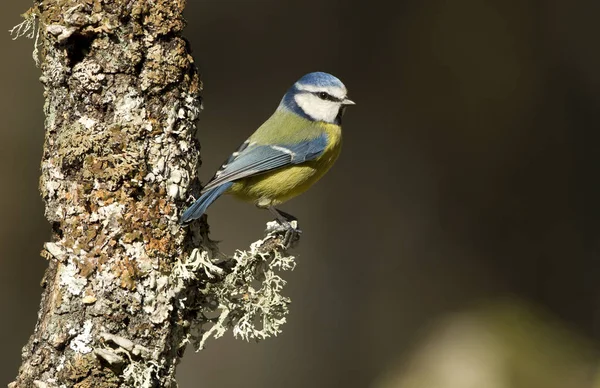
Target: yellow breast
x,y
280,185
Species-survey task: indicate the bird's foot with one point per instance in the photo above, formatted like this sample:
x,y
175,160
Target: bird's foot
x,y
291,232
291,237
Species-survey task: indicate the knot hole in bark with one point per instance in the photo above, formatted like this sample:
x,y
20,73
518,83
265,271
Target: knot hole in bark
x,y
78,47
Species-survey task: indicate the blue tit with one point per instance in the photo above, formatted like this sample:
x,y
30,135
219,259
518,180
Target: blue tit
x,y
288,153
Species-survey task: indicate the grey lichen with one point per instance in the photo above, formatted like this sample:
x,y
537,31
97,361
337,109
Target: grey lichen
x,y
119,351
30,28
83,338
243,293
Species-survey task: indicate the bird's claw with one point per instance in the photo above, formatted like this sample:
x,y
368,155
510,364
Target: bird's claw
x,y
291,237
290,231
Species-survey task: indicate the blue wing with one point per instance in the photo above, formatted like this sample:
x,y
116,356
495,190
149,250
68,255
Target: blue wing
x,y
252,159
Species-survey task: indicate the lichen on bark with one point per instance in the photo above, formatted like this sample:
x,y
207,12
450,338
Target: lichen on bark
x,y
122,96
127,288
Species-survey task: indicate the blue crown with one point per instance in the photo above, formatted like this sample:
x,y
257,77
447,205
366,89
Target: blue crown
x,y
318,78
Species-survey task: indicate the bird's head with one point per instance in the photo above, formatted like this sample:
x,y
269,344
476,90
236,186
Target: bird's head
x,y
317,96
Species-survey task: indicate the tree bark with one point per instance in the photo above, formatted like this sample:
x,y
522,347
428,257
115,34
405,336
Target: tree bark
x,y
127,288
122,96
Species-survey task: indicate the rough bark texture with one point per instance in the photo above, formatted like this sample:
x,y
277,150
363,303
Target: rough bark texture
x,y
127,288
122,96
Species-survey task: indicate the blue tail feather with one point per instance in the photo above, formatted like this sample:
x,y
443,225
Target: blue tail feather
x,y
199,207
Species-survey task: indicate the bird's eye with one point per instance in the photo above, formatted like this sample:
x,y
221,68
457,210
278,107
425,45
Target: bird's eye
x,y
323,96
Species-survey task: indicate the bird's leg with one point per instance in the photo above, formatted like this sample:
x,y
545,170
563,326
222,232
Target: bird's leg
x,y
280,217
287,216
285,219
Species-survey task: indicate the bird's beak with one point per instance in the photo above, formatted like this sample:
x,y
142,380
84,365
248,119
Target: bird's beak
x,y
347,101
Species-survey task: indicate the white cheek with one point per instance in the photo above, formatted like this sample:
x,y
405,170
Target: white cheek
x,y
317,108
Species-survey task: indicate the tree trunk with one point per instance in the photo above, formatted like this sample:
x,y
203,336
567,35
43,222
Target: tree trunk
x,y
122,97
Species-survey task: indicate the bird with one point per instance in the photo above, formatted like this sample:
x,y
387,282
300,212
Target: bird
x,y
287,154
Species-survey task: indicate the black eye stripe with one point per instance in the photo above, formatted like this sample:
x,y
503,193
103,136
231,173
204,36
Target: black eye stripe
x,y
327,96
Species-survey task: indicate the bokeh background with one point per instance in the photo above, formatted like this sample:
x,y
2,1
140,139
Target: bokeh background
x,y
455,243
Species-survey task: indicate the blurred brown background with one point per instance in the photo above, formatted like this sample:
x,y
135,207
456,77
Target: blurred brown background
x,y
461,221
